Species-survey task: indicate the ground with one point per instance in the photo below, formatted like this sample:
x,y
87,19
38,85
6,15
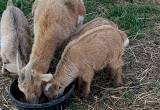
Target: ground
x,y
140,19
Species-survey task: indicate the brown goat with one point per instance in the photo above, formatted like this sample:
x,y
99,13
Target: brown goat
x,y
92,24
54,22
15,38
92,51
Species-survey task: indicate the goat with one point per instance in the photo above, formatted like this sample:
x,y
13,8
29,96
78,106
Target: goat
x,y
54,22
15,38
90,25
92,51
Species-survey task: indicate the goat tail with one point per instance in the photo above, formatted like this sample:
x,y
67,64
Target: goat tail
x,y
9,3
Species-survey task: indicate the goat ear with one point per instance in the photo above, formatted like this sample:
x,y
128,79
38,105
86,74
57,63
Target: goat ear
x,y
11,68
18,66
48,87
45,77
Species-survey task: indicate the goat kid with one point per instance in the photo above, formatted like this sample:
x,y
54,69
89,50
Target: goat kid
x,y
54,22
15,38
94,50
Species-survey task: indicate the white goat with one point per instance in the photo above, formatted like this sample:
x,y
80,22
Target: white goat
x,y
15,38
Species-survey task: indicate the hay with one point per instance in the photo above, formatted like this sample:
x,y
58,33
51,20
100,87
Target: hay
x,y
141,89
142,79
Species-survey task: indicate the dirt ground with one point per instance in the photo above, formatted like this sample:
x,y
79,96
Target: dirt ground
x,y
141,90
142,80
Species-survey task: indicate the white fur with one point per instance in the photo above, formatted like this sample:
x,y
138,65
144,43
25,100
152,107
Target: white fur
x,y
82,2
48,86
15,37
80,19
47,77
126,43
2,44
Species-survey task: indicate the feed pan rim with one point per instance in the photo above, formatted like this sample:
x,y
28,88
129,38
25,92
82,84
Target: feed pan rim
x,y
42,105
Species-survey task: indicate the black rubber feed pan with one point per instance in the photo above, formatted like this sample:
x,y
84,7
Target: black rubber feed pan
x,y
56,104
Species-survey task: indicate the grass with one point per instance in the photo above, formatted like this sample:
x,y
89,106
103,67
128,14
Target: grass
x,y
138,19
131,17
24,5
128,96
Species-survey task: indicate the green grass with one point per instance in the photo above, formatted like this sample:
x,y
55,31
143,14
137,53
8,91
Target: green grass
x,y
134,18
130,17
75,106
24,5
128,97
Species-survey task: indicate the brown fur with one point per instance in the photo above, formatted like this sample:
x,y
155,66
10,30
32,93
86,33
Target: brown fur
x,y
51,29
95,23
54,22
92,24
92,51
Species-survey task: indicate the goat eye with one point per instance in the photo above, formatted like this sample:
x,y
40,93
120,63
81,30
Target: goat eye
x,y
59,87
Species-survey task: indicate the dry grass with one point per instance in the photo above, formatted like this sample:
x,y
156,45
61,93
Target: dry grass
x,y
142,83
142,61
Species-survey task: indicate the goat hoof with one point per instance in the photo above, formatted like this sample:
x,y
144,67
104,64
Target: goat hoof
x,y
84,95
